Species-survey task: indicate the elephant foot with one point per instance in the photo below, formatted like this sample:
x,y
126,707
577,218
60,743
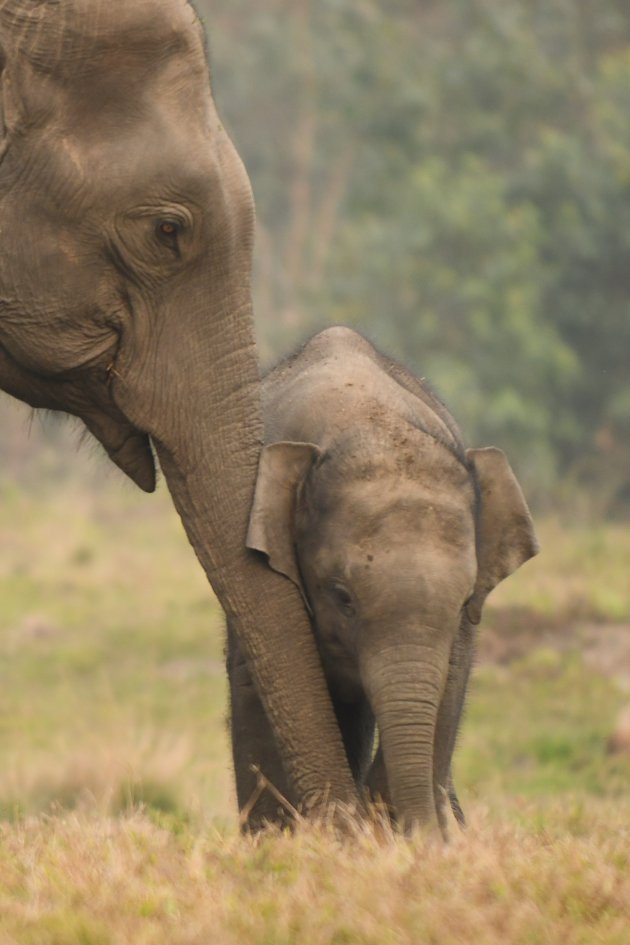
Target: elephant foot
x,y
267,807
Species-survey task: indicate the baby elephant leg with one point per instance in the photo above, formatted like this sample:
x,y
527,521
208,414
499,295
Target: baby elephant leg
x,y
261,784
376,784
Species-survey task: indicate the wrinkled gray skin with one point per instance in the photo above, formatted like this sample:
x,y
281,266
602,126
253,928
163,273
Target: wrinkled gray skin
x,y
126,226
395,534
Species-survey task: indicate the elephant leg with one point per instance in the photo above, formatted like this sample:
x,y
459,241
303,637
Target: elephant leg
x,y
456,807
377,785
356,721
261,783
449,716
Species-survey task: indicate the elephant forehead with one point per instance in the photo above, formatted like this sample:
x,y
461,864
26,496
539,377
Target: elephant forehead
x,y
102,70
75,38
387,512
402,509
398,460
385,444
70,172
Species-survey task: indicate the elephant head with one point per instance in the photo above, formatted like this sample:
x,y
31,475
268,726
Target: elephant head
x,y
395,539
126,230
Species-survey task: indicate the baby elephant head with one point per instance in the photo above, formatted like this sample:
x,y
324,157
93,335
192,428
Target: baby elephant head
x,y
391,547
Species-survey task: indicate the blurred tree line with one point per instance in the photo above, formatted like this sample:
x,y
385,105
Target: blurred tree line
x,y
453,179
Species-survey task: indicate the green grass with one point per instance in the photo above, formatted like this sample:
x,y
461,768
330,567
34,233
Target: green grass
x,y
538,729
581,571
119,820
112,662
112,656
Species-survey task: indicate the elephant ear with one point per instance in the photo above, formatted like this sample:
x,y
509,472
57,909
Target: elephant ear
x,y
505,530
281,469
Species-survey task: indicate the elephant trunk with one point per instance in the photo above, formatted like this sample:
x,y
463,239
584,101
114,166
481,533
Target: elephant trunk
x,y
210,467
404,683
197,393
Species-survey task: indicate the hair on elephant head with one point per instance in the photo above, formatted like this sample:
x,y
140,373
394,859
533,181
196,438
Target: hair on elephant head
x,y
125,260
395,535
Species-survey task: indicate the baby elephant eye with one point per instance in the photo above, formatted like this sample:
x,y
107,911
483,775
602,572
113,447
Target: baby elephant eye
x,y
343,599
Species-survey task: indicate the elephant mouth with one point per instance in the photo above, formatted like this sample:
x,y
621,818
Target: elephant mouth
x,y
83,393
135,457
130,449
126,445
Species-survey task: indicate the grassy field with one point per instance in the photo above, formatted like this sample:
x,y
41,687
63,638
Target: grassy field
x,y
118,816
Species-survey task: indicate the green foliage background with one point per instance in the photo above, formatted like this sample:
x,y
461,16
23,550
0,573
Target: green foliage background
x,y
453,179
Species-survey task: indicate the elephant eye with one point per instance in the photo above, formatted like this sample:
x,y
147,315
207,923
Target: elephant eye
x,y
167,232
343,599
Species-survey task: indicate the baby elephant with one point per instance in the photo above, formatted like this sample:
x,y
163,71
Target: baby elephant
x,y
368,502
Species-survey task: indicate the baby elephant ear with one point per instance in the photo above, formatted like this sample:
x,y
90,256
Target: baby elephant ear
x,y
505,531
281,469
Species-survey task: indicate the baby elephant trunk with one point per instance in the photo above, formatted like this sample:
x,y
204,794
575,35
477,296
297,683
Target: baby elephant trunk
x,y
404,682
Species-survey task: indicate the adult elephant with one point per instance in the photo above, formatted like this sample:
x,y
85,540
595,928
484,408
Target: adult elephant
x,y
126,223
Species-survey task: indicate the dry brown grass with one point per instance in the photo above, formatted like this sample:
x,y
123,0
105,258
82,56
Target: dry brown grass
x,y
113,693
82,880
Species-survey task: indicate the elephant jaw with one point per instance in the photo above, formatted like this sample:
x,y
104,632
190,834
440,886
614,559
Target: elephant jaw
x,y
135,457
126,446
83,394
